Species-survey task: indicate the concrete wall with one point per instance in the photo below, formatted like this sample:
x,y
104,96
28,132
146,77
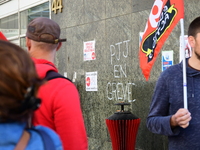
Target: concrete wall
x,y
110,22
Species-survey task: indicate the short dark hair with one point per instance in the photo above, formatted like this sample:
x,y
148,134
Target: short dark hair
x,y
194,27
17,74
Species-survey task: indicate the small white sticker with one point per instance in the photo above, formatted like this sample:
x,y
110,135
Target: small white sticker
x,y
91,81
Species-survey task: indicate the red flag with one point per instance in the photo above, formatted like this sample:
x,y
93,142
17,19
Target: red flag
x,y
164,16
2,37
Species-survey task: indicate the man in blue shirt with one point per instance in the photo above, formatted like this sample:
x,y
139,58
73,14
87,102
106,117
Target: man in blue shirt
x,y
167,114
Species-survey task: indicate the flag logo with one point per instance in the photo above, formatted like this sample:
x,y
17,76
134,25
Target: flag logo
x,y
163,18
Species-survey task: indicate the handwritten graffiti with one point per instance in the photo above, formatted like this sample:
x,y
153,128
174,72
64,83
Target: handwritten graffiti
x,y
119,91
120,71
115,50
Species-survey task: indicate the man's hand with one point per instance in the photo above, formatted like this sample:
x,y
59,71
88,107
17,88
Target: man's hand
x,y
181,118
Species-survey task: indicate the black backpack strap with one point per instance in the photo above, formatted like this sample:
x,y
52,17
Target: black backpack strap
x,y
47,140
53,75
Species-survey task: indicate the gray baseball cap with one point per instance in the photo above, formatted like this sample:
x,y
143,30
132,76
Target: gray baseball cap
x,y
44,26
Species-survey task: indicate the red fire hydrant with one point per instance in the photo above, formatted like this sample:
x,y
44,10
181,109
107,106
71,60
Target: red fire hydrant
x,y
123,127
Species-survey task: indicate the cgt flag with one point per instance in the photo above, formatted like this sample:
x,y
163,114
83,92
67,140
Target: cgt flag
x,y
2,37
164,16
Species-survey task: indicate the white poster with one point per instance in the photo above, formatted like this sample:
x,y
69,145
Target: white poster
x,y
167,59
89,50
91,81
187,48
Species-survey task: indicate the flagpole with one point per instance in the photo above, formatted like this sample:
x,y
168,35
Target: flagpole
x,y
184,65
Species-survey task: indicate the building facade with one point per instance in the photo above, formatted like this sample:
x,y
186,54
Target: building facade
x,y
16,14
113,27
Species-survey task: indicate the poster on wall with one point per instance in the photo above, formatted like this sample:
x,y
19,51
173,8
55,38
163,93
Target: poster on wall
x,y
167,59
89,50
187,48
91,81
140,37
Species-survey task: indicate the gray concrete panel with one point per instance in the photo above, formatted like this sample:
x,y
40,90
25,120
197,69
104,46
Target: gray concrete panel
x,y
95,10
140,5
118,7
115,26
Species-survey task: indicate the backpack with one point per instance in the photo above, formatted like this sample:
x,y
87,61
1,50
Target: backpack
x,y
47,140
53,75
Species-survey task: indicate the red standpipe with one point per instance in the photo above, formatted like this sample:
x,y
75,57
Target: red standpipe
x,y
123,128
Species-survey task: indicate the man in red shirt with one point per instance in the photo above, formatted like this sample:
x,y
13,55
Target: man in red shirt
x,y
60,109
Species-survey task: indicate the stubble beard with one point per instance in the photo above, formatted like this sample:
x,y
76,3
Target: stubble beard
x,y
197,55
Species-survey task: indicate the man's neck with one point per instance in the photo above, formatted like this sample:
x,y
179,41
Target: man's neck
x,y
194,63
42,55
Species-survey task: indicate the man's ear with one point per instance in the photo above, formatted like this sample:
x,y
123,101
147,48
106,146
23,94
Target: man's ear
x,y
191,41
59,45
28,43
